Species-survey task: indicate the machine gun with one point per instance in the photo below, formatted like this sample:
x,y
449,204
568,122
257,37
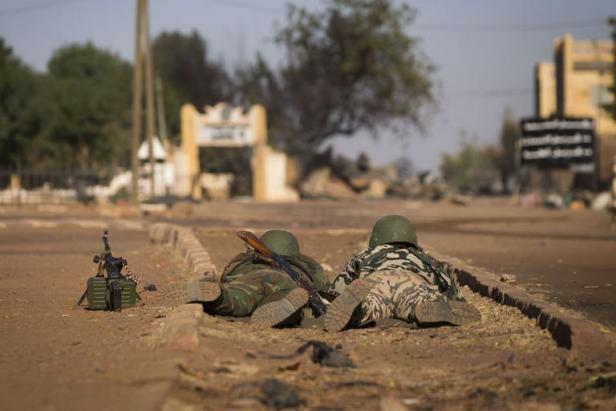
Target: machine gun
x,y
107,262
277,261
110,288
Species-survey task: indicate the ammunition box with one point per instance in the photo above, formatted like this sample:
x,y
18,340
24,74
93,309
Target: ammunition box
x,y
129,293
97,293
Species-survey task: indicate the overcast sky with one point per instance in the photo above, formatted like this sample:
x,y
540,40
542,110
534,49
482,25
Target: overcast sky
x,y
484,50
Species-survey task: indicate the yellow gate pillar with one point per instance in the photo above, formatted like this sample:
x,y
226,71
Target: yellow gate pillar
x,y
225,126
191,170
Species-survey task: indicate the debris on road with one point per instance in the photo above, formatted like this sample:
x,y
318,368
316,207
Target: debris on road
x,y
601,201
279,395
508,278
341,178
321,183
322,354
325,355
270,392
603,380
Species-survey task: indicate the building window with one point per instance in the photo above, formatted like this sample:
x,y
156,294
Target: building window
x,y
600,96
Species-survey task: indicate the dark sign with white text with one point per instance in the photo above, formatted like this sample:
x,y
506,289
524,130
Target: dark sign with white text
x,y
558,143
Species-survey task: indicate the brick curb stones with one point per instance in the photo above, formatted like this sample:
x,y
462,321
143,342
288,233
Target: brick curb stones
x,y
180,330
184,242
568,328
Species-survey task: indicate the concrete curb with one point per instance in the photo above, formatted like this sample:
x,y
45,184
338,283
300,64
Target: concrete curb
x,y
185,244
568,328
180,331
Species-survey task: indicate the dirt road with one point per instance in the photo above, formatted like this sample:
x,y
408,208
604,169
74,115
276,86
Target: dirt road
x,y
53,357
568,257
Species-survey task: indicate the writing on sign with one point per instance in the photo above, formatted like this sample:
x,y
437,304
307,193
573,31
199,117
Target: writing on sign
x,y
224,135
558,143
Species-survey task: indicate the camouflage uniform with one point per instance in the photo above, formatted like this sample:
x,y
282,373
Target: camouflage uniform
x,y
400,277
247,282
251,286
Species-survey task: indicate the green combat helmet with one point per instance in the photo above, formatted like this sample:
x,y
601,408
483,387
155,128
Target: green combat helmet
x,y
393,229
281,242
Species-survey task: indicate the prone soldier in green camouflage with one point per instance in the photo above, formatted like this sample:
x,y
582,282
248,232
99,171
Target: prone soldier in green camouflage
x,y
250,286
395,278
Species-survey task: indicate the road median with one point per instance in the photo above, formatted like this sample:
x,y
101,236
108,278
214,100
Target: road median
x,y
568,328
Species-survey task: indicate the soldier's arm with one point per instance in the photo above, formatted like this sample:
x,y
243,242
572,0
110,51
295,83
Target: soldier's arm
x,y
444,274
313,269
234,263
346,276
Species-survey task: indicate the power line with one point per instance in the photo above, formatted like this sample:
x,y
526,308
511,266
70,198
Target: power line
x,y
453,27
506,92
443,27
500,27
247,6
37,6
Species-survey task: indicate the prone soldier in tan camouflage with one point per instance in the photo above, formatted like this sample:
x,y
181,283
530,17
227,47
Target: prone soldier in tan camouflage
x,y
395,278
250,286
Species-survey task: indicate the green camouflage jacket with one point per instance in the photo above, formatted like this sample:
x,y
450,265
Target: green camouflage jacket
x,y
247,262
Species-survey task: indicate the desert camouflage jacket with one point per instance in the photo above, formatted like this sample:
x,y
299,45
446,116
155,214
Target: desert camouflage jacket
x,y
389,257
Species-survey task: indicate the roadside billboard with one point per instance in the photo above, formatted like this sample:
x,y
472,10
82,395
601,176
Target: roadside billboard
x,y
558,143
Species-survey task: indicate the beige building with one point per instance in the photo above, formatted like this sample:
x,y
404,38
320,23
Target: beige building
x,y
225,126
577,84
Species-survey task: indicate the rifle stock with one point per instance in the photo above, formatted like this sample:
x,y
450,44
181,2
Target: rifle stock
x,y
253,241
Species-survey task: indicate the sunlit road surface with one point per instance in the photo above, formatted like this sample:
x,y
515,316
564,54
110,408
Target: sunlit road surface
x,y
567,257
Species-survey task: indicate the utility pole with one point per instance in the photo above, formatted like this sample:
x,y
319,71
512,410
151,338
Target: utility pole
x,y
137,103
160,112
143,51
149,94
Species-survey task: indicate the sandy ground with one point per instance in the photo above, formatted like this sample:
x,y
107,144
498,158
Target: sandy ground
x,y
564,256
503,362
54,357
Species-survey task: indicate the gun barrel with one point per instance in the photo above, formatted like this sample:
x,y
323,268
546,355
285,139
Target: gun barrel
x,y
106,240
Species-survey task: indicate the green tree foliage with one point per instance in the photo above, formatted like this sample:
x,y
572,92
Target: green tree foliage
x,y
18,120
188,75
472,169
348,68
87,116
509,135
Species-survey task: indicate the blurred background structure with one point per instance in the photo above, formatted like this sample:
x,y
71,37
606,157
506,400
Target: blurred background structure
x,y
577,84
360,99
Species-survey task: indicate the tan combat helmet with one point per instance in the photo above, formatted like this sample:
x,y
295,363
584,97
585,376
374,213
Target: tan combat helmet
x,y
393,229
281,242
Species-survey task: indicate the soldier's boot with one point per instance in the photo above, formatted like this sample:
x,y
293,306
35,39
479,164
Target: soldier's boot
x,y
452,312
183,292
280,307
341,310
